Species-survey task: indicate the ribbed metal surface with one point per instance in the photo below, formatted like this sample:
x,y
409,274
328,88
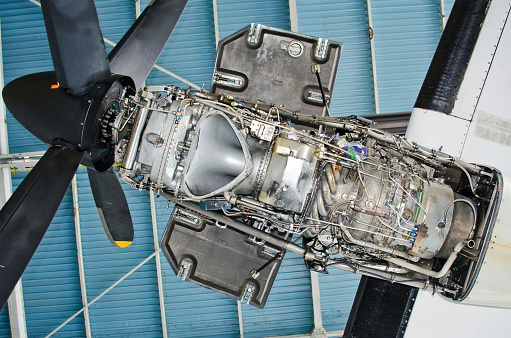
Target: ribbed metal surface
x,y
406,34
234,15
51,285
5,328
345,22
289,307
337,292
190,51
131,308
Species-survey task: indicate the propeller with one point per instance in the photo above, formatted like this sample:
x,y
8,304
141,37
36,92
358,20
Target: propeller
x,y
66,109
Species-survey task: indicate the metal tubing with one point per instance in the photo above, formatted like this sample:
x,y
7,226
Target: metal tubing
x,y
377,247
329,173
384,275
285,245
431,153
140,121
427,272
325,190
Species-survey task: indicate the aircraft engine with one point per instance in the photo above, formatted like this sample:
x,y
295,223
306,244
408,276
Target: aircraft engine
x,y
361,199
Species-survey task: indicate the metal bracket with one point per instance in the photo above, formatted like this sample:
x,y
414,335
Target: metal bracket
x,y
321,49
262,131
248,293
184,270
254,33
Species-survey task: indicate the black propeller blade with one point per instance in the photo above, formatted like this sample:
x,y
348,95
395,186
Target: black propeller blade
x,y
76,44
139,49
112,206
28,213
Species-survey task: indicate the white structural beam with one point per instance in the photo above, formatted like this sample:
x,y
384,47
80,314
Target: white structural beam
x,y
373,57
215,22
240,319
441,4
318,331
81,269
293,16
15,302
158,264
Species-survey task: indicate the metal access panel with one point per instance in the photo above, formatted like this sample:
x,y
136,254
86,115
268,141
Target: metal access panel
x,y
209,254
275,66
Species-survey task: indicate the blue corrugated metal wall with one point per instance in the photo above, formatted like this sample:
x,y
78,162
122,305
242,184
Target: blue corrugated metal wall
x,y
405,37
5,328
234,15
51,285
133,306
345,22
190,51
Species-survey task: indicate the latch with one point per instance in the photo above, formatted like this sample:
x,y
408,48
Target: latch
x,y
254,33
184,270
321,48
248,293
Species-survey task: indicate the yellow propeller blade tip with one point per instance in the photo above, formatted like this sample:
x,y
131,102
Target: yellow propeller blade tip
x,y
123,244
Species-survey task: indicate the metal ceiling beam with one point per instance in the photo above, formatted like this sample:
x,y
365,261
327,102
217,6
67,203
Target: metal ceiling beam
x,y
293,16
318,331
240,319
158,264
441,4
215,22
373,57
81,268
15,302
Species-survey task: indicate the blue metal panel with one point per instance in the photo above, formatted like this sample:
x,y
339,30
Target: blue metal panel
x,y
406,34
131,308
190,51
5,328
337,292
234,15
289,307
345,22
51,284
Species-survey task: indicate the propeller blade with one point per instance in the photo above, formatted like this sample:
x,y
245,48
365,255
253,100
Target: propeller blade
x,y
47,113
141,46
76,44
112,206
27,215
